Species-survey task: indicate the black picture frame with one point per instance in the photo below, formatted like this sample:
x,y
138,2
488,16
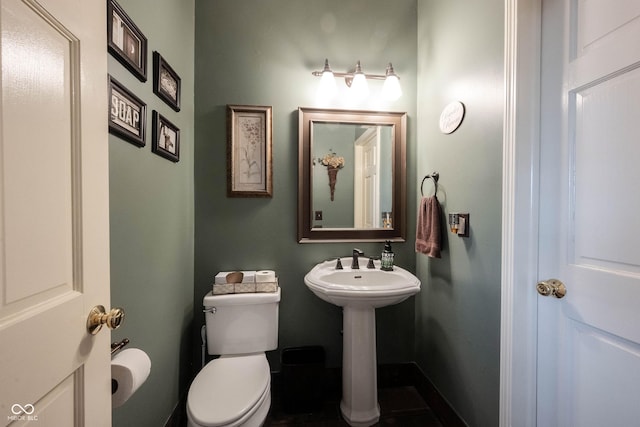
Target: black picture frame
x,y
127,114
166,82
125,41
166,138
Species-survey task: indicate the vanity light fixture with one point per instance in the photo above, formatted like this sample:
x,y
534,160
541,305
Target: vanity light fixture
x,y
357,81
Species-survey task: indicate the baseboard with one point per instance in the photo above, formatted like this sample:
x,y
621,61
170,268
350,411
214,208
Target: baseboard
x,y
178,417
411,374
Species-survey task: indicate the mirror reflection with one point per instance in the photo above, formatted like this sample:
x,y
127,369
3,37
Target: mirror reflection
x,y
351,183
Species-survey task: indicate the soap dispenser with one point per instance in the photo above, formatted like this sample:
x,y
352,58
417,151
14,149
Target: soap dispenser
x,y
387,257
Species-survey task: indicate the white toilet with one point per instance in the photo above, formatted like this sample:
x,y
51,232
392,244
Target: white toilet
x,y
235,389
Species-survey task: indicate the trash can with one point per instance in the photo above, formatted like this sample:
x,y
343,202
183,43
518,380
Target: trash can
x,y
303,379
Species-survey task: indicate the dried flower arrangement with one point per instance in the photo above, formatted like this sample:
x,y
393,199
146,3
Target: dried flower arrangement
x,y
332,160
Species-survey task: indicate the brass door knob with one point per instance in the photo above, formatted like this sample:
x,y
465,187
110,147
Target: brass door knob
x,y
551,287
98,316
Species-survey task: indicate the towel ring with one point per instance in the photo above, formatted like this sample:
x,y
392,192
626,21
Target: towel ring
x,y
435,176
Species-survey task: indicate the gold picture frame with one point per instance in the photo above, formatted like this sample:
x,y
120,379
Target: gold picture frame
x,y
249,151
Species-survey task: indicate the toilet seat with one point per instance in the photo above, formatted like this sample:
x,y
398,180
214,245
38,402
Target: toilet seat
x,y
229,390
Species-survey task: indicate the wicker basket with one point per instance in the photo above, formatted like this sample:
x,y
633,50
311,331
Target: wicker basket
x,y
223,288
243,288
267,286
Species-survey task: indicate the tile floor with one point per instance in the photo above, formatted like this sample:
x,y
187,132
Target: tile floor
x,y
399,406
406,397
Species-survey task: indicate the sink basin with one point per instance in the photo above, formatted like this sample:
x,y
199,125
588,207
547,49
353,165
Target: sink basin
x,y
361,287
359,292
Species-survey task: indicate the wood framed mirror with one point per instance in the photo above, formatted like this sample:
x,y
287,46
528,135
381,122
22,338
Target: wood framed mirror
x,y
351,175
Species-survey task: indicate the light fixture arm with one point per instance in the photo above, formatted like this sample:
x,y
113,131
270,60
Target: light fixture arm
x,y
348,77
369,76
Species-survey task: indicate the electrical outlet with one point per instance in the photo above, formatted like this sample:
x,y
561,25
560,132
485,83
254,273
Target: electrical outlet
x,y
318,215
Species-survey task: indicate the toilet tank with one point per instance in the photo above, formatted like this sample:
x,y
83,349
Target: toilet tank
x,y
241,323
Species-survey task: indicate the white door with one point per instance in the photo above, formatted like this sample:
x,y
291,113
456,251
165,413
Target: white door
x,y
589,341
367,180
54,230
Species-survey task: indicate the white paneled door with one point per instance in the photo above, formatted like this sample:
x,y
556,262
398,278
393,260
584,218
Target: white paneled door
x,y
54,231
366,196
589,340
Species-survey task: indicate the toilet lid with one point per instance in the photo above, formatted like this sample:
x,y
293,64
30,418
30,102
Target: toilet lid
x,y
227,388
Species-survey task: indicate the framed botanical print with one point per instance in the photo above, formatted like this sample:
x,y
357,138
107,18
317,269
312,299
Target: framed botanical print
x,y
249,157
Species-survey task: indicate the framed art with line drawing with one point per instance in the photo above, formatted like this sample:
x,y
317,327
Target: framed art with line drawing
x,y
127,114
125,41
166,138
249,158
166,83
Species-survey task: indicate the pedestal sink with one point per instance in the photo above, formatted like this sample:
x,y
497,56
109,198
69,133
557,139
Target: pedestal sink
x,y
360,292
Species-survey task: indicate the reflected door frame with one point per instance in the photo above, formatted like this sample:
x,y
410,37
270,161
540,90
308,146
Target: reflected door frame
x,y
366,201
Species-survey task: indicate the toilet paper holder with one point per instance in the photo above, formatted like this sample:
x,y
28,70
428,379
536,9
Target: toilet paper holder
x,y
116,346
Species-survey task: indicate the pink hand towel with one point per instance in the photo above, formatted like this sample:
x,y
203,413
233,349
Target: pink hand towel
x,y
428,231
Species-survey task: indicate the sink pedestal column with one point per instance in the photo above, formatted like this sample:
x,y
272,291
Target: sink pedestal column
x,y
359,405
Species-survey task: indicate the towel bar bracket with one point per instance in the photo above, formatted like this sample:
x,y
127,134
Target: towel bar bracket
x,y
435,176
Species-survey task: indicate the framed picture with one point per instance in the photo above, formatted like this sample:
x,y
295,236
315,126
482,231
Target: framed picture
x,y
166,83
249,158
127,114
166,138
125,41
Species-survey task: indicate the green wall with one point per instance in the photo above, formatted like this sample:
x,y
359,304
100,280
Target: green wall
x,y
460,52
152,216
173,228
263,53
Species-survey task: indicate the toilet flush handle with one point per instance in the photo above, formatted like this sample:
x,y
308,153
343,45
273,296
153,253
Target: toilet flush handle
x,y
211,310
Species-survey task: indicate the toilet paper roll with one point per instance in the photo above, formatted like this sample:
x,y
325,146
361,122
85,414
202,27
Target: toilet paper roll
x,y
265,276
129,370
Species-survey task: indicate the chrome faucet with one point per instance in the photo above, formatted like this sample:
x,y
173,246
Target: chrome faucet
x,y
356,253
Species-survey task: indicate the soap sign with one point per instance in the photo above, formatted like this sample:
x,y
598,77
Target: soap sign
x,y
451,117
127,114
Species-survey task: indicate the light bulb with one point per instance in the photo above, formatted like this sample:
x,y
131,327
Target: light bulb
x,y
327,84
327,88
359,85
391,89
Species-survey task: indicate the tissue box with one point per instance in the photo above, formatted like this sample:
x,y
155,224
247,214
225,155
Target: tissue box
x,y
267,286
221,287
249,277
